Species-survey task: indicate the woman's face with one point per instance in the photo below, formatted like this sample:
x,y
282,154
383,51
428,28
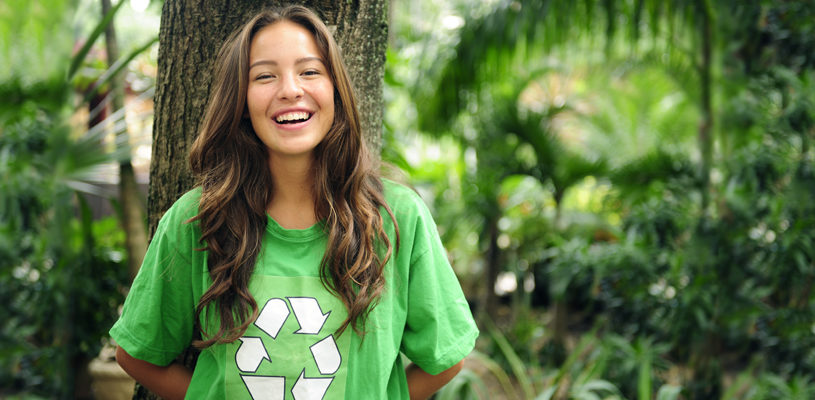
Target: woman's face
x,y
290,98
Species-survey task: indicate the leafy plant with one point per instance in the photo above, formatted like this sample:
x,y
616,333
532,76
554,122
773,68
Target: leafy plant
x,y
61,274
672,149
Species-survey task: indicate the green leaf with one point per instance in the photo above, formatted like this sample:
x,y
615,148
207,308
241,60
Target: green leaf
x,y
669,392
644,378
515,363
79,57
547,394
463,387
498,372
117,67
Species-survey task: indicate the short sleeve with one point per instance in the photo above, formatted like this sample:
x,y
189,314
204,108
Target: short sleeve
x,y
158,315
440,330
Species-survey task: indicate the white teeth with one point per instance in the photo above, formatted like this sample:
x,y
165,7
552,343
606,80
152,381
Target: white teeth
x,y
292,116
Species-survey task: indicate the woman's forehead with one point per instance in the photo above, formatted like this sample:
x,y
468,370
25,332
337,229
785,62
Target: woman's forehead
x,y
284,39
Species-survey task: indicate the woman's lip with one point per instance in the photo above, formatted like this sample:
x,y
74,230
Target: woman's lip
x,y
291,110
293,126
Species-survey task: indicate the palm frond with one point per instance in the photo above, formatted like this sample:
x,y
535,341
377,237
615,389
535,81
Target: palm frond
x,y
116,68
517,32
80,55
658,165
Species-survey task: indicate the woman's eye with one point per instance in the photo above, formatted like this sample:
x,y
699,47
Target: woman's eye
x,y
311,72
264,76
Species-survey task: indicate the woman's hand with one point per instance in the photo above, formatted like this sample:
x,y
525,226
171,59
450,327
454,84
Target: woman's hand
x,y
422,385
170,382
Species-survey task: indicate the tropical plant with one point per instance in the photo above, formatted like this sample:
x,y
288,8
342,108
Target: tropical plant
x,y
585,374
62,273
706,246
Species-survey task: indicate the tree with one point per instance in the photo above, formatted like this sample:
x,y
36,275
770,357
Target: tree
x,y
191,33
132,205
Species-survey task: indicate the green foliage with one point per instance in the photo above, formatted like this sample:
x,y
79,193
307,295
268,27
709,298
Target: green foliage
x,y
516,34
34,40
588,372
578,160
82,53
104,79
62,273
770,386
464,386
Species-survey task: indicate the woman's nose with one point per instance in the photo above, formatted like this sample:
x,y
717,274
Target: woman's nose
x,y
290,87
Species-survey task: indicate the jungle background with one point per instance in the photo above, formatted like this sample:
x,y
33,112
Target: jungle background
x,y
624,188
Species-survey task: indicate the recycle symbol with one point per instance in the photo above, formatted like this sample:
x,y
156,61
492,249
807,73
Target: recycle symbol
x,y
252,352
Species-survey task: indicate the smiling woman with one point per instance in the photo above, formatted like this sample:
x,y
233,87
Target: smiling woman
x,y
290,96
301,240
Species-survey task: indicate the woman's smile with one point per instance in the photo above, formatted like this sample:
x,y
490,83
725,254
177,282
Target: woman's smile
x,y
292,119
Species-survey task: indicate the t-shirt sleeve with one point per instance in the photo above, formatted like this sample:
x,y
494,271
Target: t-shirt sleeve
x,y
158,315
440,330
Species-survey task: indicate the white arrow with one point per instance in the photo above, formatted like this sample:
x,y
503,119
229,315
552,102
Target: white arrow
x,y
265,387
272,317
308,314
250,354
310,388
326,355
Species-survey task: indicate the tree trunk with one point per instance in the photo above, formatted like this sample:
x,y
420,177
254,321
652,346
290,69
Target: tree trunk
x,y
191,33
706,125
493,267
132,216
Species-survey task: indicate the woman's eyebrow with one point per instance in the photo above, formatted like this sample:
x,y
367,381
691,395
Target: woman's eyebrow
x,y
307,59
274,63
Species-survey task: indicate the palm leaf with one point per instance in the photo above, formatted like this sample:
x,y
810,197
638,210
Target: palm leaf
x,y
116,68
490,46
79,57
658,165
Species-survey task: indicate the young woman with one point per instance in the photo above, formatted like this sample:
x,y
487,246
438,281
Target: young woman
x,y
298,271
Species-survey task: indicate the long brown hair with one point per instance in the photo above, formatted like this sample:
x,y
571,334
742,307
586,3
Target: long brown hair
x,y
229,161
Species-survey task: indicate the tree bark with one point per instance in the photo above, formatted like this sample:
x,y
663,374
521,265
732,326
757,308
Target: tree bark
x,y
189,37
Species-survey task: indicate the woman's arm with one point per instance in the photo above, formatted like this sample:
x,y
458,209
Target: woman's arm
x,y
170,382
422,385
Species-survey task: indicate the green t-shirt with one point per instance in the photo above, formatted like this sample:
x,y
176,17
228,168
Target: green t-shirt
x,y
291,351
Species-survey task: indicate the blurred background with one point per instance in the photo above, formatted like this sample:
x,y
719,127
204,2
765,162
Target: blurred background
x,y
624,187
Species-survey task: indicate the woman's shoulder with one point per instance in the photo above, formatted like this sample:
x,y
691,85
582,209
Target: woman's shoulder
x,y
184,208
189,199
404,201
399,194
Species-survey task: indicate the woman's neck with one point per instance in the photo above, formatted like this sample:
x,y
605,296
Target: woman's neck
x,y
292,204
